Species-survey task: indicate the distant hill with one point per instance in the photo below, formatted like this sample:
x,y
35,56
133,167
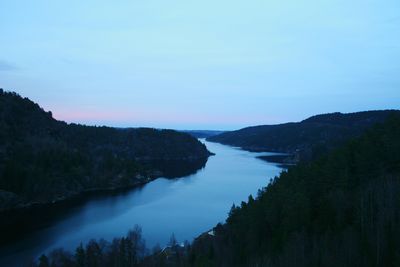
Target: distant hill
x,y
306,139
202,133
44,160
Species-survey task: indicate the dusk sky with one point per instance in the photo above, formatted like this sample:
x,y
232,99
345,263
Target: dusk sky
x,y
201,64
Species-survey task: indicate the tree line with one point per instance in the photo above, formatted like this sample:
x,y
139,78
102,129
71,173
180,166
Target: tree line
x,y
44,160
339,210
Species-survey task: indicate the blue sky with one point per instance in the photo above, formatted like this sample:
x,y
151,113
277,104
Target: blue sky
x,y
201,64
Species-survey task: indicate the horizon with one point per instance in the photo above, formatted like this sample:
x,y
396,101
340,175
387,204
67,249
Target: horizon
x,y
183,128
195,129
201,66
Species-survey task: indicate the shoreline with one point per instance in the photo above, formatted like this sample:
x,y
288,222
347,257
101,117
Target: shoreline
x,y
25,217
19,221
139,180
283,158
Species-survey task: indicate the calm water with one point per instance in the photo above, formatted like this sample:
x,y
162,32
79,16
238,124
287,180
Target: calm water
x,y
187,207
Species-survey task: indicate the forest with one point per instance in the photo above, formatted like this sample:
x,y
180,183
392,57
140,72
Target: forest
x,y
341,209
305,140
43,160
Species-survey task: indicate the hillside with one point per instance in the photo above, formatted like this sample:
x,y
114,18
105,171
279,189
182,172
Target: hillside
x,y
202,133
339,210
44,160
306,139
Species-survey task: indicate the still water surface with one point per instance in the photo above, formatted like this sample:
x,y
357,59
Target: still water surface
x,y
187,207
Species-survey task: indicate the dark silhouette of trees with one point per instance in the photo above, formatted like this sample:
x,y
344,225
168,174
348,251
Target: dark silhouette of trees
x,y
44,261
305,140
121,252
43,160
339,210
172,241
80,256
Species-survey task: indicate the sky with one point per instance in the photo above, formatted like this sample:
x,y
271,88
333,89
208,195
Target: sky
x,y
201,64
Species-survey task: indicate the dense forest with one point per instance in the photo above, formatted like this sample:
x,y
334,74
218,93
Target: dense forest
x,y
43,160
341,209
304,140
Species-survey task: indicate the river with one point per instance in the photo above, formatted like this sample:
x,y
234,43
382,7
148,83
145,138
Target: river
x,y
186,206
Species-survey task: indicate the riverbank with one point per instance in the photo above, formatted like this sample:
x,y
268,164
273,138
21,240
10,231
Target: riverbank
x,y
284,160
27,216
34,215
178,205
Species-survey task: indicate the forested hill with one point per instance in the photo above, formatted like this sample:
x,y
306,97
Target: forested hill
x,y
42,159
202,133
339,210
308,138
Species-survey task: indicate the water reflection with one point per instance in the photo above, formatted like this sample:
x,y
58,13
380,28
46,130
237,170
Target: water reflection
x,y
17,224
177,168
